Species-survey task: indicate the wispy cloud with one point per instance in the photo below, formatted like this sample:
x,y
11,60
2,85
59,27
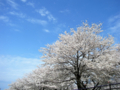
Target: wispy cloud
x,y
4,18
59,28
45,12
14,67
21,15
17,30
50,17
11,24
1,4
46,30
114,18
114,27
38,21
12,3
65,11
114,23
23,0
30,4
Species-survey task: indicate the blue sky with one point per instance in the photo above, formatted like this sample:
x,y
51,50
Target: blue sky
x,y
27,25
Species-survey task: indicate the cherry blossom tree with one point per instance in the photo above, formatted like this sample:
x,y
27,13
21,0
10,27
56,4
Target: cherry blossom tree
x,y
39,79
83,56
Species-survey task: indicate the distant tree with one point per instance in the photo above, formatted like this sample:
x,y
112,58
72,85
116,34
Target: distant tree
x,y
36,80
83,57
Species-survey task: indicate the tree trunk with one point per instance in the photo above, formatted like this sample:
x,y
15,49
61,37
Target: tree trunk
x,y
77,75
78,82
78,85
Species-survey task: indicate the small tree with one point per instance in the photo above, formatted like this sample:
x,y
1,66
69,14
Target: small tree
x,y
83,56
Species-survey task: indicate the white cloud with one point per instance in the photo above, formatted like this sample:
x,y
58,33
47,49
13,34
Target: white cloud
x,y
4,18
17,30
23,0
44,12
11,24
21,15
60,28
64,11
38,21
15,67
30,4
114,23
1,4
50,17
114,27
114,18
12,3
46,30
